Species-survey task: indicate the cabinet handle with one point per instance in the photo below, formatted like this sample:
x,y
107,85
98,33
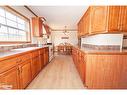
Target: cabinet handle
x,y
5,86
19,70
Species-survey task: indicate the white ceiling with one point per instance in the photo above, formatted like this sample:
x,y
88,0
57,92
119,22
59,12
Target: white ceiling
x,y
60,16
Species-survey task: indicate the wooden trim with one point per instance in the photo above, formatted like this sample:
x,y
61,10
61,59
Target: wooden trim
x,y
4,42
64,29
43,18
8,8
30,10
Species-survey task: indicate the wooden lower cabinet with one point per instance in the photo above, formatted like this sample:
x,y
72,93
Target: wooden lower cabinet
x,y
10,79
109,72
34,66
42,60
38,65
25,74
19,71
46,56
101,70
79,62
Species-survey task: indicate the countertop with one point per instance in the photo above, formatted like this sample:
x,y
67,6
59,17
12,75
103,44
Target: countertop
x,y
95,51
16,52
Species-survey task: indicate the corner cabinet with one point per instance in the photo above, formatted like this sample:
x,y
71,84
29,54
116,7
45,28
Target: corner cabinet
x,y
103,19
37,27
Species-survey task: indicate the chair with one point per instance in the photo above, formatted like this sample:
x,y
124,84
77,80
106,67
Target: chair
x,y
61,49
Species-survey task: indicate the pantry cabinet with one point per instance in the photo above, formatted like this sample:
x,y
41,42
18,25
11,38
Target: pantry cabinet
x,y
37,27
103,19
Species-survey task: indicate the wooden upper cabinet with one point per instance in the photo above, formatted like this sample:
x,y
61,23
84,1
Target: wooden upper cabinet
x,y
79,29
103,19
123,19
98,19
117,21
37,25
10,79
86,23
113,18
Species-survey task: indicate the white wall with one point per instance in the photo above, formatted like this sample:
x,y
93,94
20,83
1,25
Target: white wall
x,y
104,39
56,37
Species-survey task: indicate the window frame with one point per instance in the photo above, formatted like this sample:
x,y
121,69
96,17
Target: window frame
x,y
13,11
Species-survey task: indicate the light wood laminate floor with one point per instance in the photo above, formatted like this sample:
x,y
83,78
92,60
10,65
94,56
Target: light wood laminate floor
x,y
60,73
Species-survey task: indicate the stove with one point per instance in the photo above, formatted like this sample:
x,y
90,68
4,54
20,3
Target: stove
x,y
51,54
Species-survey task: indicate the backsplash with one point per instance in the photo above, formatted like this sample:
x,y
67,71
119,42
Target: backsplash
x,y
15,46
102,47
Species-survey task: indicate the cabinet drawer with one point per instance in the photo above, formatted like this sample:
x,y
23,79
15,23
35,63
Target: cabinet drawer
x,y
7,64
35,53
24,57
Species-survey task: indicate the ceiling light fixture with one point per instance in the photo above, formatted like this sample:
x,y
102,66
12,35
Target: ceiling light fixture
x,y
65,30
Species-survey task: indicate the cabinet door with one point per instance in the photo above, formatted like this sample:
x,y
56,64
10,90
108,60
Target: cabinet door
x,y
37,27
123,19
113,18
40,27
38,64
25,73
83,67
42,60
98,19
10,79
79,62
46,56
86,19
34,67
79,29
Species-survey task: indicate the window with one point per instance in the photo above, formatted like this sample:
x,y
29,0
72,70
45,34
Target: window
x,y
13,26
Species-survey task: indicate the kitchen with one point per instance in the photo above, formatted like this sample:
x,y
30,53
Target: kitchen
x,y
84,49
